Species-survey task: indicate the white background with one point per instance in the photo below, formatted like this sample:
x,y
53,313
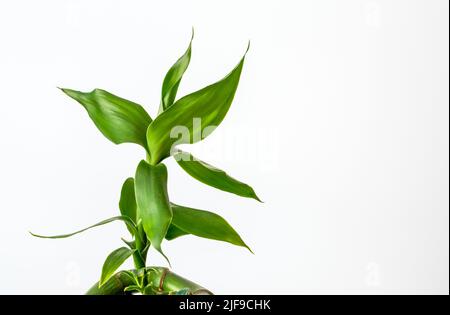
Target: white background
x,y
340,123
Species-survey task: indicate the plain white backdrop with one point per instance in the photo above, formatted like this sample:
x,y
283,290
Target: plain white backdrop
x,y
340,123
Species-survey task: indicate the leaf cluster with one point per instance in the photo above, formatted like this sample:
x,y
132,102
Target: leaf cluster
x,y
144,204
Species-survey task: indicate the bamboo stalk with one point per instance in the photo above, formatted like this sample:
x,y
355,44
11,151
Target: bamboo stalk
x,y
162,280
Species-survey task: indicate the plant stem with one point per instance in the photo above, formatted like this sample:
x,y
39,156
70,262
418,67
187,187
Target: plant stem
x,y
162,280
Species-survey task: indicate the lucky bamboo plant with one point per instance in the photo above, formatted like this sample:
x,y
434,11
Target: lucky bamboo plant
x,y
144,202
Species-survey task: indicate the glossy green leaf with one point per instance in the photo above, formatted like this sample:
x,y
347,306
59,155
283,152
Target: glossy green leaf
x,y
194,116
127,203
153,202
119,120
213,176
204,224
127,220
173,78
114,261
132,288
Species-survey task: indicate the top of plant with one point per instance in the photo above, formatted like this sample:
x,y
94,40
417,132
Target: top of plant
x,y
144,204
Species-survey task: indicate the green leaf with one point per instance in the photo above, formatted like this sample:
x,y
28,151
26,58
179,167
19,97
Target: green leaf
x,y
132,288
153,202
127,203
131,274
173,232
173,78
204,224
213,176
194,116
114,261
119,120
125,219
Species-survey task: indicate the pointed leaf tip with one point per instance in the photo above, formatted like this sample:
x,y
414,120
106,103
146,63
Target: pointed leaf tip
x,y
255,196
173,78
127,202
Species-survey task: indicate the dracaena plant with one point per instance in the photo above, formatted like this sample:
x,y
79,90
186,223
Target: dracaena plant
x,y
144,203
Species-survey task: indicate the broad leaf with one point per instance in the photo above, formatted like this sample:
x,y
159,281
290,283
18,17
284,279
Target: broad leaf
x,y
153,203
173,78
213,176
127,203
119,120
114,261
204,224
130,224
194,116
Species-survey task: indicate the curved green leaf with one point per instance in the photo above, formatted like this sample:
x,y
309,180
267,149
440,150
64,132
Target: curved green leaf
x,y
119,120
213,176
132,288
173,78
127,220
194,116
153,202
127,203
114,261
204,224
184,291
150,290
